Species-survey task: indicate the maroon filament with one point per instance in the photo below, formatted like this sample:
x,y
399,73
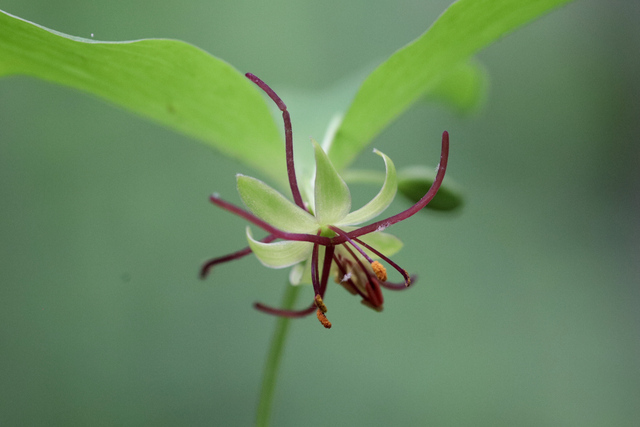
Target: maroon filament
x,y
233,256
301,237
407,279
315,280
424,201
320,290
285,313
373,296
346,236
288,138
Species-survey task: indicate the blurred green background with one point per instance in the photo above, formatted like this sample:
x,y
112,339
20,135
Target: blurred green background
x,y
526,310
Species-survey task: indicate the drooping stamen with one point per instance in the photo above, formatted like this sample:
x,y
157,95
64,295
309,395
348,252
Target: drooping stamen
x,y
374,295
407,278
346,236
288,137
378,269
424,201
323,287
323,319
206,267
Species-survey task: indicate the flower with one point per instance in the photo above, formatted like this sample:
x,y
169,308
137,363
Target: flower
x,y
319,239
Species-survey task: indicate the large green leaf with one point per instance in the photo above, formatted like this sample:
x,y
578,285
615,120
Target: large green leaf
x,y
412,72
464,88
169,81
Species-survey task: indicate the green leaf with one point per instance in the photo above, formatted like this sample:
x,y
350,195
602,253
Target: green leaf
x,y
413,71
272,207
415,181
464,89
381,201
168,81
332,197
279,254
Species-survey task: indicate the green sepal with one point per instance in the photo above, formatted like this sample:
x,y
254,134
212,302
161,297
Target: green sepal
x,y
381,201
272,207
331,194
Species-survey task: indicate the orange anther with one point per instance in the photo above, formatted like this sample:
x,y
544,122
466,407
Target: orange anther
x,y
381,272
323,319
320,304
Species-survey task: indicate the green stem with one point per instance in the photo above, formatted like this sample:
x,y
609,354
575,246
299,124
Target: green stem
x,y
269,376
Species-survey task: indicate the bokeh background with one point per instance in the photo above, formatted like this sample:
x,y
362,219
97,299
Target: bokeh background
x,y
526,310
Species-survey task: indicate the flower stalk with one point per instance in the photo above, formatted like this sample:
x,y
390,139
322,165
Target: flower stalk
x,y
274,359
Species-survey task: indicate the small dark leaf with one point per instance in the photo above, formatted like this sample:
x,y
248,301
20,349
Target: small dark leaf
x,y
415,181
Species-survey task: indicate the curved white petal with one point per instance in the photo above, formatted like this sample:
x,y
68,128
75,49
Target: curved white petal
x,y
381,201
279,254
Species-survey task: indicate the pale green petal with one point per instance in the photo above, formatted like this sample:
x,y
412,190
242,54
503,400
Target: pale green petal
x,y
272,207
332,197
279,254
381,201
305,277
